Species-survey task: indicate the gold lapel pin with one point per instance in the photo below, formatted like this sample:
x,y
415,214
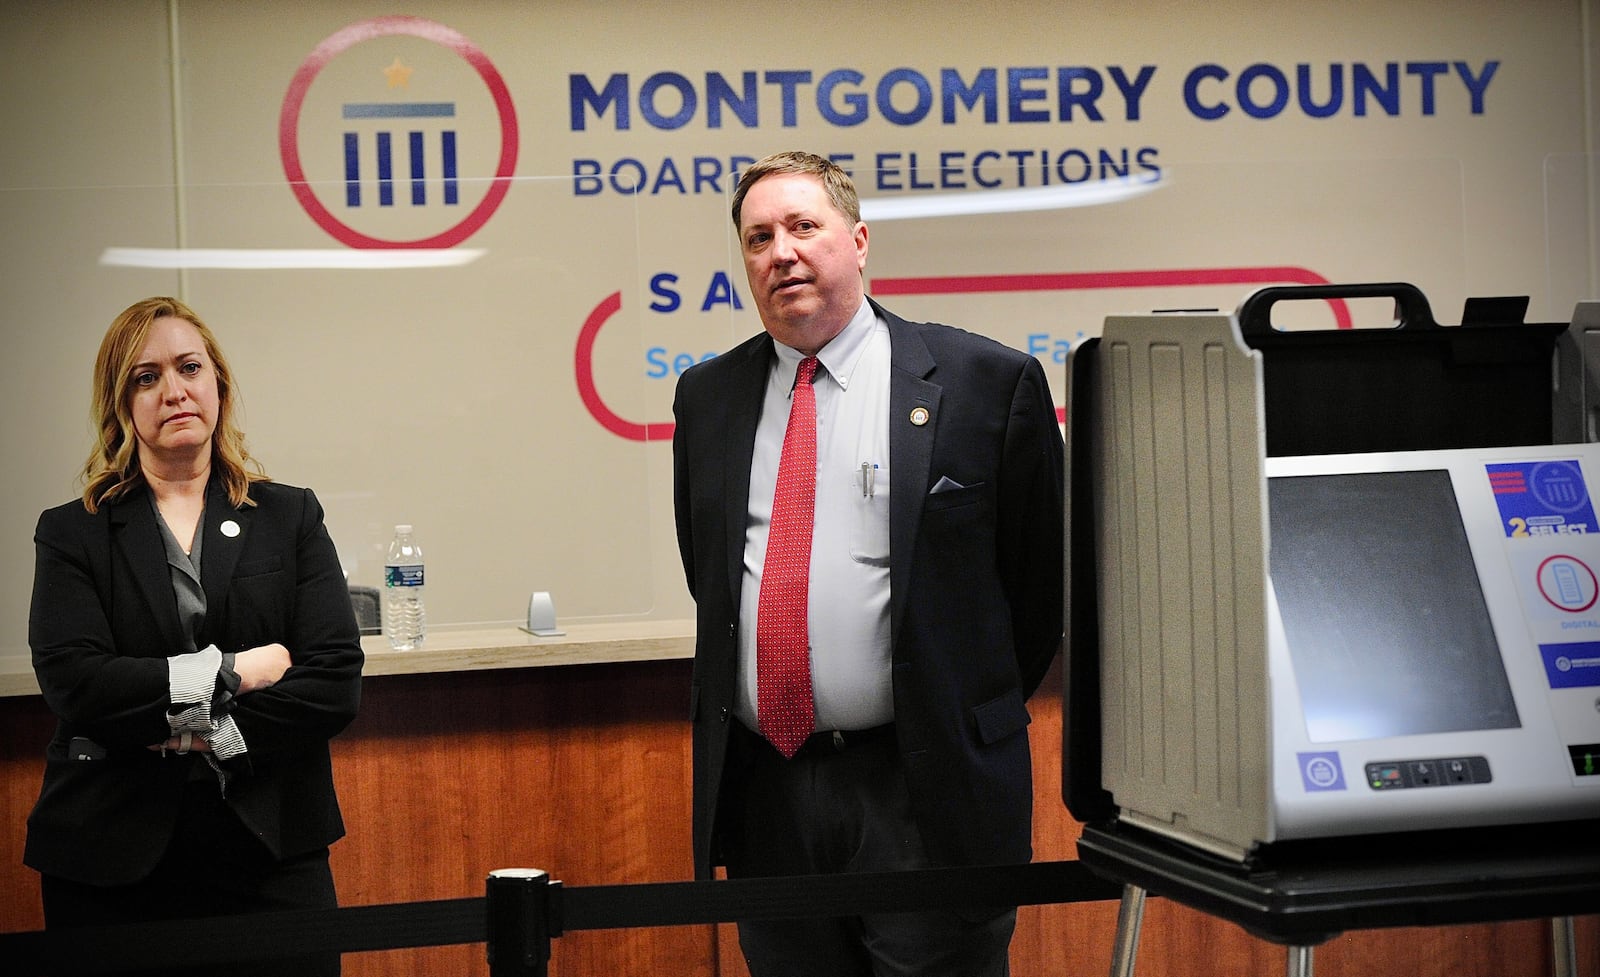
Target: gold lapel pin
x,y
919,416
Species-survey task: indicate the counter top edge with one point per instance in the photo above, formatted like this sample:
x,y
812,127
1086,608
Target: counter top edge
x,y
478,649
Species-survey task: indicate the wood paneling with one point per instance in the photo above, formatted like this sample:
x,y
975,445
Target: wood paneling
x,y
583,771
25,728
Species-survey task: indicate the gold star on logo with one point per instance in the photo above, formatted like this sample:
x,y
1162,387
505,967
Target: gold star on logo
x,y
399,75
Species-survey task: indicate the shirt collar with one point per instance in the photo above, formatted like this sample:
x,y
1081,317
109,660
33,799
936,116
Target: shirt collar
x,y
840,356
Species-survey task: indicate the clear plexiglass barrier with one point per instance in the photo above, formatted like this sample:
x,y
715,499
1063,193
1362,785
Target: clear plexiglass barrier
x,y
501,377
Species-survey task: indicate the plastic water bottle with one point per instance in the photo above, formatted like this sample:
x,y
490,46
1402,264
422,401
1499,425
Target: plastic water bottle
x,y
404,619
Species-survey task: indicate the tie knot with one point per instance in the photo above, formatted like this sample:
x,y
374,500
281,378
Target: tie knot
x,y
807,370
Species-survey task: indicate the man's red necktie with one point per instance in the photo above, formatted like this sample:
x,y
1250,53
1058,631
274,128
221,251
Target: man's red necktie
x,y
784,709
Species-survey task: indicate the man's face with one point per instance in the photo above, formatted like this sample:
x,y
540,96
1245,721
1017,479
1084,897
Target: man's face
x,y
803,260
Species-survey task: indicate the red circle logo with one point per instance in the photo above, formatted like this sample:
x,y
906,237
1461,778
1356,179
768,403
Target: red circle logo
x,y
366,30
1563,587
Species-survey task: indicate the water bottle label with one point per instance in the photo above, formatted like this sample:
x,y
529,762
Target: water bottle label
x,y
405,576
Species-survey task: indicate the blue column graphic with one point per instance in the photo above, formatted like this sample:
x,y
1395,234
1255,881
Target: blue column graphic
x,y
416,146
419,189
352,170
447,145
385,170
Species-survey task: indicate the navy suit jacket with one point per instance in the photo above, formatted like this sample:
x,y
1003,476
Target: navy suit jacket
x,y
102,624
975,573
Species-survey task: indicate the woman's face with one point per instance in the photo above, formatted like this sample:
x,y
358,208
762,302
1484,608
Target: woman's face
x,y
173,393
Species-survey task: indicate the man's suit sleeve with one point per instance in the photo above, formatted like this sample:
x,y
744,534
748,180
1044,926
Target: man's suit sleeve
x,y
680,478
1031,524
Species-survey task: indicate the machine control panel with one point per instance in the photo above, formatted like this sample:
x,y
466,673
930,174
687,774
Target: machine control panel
x,y
1446,772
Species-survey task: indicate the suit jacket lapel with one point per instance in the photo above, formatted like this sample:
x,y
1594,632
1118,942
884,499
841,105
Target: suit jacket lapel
x,y
219,551
135,535
744,399
910,452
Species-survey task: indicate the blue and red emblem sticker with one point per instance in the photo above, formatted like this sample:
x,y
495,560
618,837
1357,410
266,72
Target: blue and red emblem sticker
x,y
1320,771
1542,498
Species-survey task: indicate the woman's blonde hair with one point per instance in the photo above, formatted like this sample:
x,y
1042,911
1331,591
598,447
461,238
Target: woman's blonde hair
x,y
112,470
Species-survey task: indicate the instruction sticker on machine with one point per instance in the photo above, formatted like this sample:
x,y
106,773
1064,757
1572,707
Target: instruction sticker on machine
x,y
1542,498
1559,584
1548,503
1572,665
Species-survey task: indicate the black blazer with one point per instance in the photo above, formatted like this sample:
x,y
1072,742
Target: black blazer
x,y
102,624
975,573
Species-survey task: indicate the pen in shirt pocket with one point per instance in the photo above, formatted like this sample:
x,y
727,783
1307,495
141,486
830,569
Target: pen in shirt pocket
x,y
869,477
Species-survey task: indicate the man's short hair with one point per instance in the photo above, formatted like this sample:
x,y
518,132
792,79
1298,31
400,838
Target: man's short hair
x,y
841,190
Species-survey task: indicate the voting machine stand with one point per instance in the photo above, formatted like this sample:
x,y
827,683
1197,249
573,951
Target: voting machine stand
x,y
1169,420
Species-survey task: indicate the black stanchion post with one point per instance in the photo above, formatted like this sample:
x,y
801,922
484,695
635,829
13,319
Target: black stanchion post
x,y
519,922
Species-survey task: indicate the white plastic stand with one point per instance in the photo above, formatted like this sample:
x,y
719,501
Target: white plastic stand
x,y
542,616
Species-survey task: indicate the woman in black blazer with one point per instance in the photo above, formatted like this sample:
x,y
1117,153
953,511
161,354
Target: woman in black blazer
x,y
192,632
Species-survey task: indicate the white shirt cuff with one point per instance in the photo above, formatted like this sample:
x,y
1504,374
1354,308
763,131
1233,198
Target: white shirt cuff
x,y
191,682
226,740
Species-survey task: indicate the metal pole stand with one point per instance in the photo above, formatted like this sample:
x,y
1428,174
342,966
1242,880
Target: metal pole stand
x,y
1130,913
1299,961
520,924
1564,944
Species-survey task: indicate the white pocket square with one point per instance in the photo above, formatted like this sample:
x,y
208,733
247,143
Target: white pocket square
x,y
945,484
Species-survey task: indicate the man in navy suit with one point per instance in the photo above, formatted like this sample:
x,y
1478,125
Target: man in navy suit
x,y
933,599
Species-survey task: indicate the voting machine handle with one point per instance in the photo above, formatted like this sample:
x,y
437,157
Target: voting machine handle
x,y
1411,306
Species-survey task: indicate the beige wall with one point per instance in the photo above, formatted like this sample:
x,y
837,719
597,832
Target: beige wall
x,y
451,397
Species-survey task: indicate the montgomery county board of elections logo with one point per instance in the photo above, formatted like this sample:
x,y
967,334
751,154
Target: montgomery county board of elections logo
x,y
398,132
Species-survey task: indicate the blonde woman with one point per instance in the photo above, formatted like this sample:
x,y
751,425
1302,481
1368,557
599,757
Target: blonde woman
x,y
191,630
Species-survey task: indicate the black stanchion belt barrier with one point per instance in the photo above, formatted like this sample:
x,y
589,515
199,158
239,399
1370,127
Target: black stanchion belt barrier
x,y
354,929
